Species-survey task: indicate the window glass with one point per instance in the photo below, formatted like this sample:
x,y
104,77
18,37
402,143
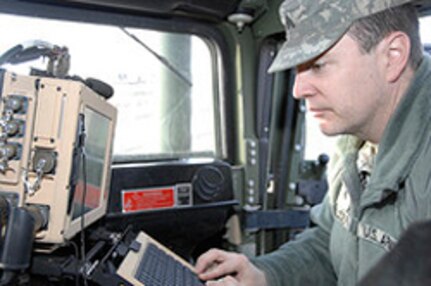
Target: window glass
x,y
163,82
318,143
425,28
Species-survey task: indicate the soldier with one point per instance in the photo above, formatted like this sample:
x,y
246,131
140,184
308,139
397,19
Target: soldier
x,y
361,70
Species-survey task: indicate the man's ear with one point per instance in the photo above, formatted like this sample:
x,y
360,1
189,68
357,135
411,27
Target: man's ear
x,y
396,52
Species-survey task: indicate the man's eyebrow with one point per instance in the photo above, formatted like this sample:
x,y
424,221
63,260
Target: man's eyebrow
x,y
305,66
308,64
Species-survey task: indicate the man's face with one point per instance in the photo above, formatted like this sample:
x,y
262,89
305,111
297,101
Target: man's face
x,y
344,89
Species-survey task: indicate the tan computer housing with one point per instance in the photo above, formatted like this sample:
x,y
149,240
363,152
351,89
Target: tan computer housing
x,y
55,134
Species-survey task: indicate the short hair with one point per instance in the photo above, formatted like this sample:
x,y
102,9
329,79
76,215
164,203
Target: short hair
x,y
371,30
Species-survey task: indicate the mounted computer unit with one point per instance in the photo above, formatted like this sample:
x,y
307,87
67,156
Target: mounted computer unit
x,y
55,153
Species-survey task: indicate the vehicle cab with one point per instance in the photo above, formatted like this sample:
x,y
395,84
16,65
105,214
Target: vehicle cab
x,y
208,148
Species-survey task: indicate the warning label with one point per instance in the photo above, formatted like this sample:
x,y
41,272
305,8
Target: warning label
x,y
148,199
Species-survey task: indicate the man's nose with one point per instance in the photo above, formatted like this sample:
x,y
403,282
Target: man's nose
x,y
303,87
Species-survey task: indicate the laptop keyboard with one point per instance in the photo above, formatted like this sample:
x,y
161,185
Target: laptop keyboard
x,y
157,268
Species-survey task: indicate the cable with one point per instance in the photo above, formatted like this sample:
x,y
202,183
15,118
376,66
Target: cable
x,y
84,178
81,144
76,251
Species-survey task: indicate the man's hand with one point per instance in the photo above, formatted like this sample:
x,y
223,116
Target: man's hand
x,y
228,269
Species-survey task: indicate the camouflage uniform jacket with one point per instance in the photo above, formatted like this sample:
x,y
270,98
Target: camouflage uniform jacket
x,y
355,228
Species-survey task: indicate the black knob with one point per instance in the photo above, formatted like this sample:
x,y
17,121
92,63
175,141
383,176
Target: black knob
x,y
323,159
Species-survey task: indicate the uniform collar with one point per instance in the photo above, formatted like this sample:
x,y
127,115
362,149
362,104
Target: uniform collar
x,y
402,139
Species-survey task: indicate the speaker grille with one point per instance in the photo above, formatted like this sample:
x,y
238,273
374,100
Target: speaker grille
x,y
208,183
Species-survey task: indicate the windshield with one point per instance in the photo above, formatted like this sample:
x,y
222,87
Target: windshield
x,y
163,82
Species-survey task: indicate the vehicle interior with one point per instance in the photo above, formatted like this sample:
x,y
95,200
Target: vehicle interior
x,y
122,117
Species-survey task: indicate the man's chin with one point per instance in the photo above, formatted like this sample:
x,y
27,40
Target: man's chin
x,y
329,130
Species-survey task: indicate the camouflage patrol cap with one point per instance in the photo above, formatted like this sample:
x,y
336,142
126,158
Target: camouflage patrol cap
x,y
313,26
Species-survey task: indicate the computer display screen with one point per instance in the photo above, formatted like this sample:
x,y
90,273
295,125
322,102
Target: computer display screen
x,y
93,164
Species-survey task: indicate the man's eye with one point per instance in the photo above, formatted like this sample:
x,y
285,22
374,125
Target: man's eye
x,y
318,66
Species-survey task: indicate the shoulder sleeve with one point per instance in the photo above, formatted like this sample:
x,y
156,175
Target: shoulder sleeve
x,y
294,261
